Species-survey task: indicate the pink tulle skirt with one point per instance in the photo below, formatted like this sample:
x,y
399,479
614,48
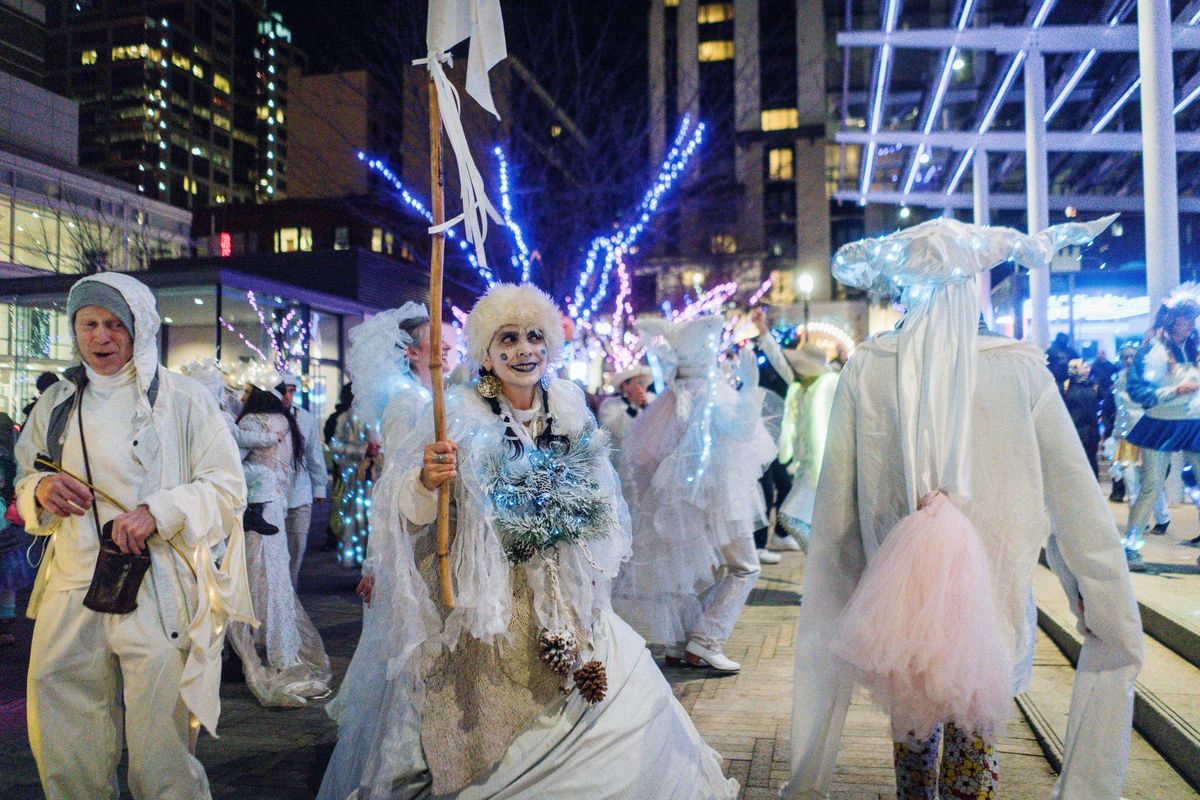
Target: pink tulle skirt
x,y
920,630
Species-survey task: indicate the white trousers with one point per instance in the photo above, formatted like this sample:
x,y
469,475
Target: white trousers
x,y
1152,478
299,520
89,670
721,603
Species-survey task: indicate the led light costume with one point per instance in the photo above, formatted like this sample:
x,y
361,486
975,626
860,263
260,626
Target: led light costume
x,y
695,455
919,575
806,427
530,686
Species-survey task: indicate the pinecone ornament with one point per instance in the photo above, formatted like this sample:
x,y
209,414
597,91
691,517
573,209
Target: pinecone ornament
x,y
520,552
559,651
591,681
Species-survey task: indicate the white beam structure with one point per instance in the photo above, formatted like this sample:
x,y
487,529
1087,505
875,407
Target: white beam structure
x,y
1037,187
1014,141
1083,203
1046,39
1159,176
980,184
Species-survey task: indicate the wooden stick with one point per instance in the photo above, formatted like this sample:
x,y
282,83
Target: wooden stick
x,y
435,337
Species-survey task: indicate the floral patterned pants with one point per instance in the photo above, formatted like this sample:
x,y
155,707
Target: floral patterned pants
x,y
968,768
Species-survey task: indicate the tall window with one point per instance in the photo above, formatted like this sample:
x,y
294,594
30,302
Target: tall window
x,y
716,51
289,240
341,238
88,57
715,12
376,240
780,119
779,164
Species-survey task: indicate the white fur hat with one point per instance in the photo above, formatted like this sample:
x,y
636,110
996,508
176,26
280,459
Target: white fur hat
x,y
635,371
509,304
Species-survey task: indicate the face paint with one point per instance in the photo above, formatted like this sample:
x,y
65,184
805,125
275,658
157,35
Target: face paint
x,y
517,356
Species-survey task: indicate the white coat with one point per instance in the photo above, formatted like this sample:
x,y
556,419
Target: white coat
x,y
310,476
1032,488
193,487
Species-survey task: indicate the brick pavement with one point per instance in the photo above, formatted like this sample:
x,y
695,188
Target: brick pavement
x,y
280,754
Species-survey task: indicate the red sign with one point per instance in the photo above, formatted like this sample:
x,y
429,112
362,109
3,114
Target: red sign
x,y
225,244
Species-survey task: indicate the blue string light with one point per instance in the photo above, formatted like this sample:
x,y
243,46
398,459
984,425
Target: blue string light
x,y
382,168
521,257
684,146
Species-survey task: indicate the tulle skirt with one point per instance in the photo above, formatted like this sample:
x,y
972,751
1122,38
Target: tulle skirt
x,y
920,630
284,660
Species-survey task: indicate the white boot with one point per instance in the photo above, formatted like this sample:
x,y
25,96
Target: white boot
x,y
788,543
698,656
766,556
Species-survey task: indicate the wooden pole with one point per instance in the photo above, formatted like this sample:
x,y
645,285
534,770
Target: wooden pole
x,y
435,336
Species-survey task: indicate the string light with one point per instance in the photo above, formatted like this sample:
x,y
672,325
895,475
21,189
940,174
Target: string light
x,y
521,257
762,291
604,250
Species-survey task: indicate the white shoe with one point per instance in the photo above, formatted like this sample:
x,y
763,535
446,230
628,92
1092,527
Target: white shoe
x,y
787,543
766,556
698,656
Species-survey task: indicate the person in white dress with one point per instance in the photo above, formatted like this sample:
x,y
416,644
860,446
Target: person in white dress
x,y
951,461
284,660
530,686
695,455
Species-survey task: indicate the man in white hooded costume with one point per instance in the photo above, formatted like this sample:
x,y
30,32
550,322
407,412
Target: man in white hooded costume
x,y
309,479
155,444
981,427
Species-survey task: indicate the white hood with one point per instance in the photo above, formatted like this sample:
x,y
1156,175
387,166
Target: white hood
x,y
146,323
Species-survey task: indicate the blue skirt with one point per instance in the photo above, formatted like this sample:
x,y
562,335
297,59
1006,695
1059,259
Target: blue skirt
x,y
1166,435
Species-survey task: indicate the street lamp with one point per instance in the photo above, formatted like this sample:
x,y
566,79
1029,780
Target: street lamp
x,y
804,283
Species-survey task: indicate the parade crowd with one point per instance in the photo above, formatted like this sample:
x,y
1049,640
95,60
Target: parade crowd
x,y
923,475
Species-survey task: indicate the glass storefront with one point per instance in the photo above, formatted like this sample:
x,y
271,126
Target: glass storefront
x,y
199,321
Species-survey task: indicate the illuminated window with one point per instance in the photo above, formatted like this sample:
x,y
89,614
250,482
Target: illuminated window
x,y
221,121
279,115
715,12
376,240
670,3
221,83
189,185
716,51
220,199
88,57
555,131
198,70
723,244
131,51
181,61
341,238
780,119
263,112
289,240
779,164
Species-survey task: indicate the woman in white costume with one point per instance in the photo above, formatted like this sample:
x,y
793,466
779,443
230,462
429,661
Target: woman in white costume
x,y
919,577
284,660
530,687
695,455
805,429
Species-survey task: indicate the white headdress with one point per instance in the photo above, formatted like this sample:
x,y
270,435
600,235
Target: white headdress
x,y
509,304
209,372
691,346
378,357
935,264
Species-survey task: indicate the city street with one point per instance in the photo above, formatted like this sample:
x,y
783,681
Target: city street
x,y
280,754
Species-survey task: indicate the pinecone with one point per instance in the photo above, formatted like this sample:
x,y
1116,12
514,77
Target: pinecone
x,y
591,681
519,552
558,651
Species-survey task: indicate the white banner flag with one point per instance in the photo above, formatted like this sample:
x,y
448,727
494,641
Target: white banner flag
x,y
451,21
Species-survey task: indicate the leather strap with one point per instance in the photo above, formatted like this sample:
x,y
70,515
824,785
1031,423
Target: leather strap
x,y
87,465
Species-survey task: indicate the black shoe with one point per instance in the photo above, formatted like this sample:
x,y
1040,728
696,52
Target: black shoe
x,y
1118,492
1161,528
1192,542
253,520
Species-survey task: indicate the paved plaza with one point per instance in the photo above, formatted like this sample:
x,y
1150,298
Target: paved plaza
x,y
280,754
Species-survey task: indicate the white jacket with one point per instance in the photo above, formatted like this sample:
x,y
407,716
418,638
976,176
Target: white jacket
x,y
310,477
193,487
1032,488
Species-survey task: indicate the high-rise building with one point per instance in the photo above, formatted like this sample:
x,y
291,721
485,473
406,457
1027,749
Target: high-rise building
x,y
754,71
23,39
186,100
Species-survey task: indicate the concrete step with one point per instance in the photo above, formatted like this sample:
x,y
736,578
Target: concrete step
x,y
1165,752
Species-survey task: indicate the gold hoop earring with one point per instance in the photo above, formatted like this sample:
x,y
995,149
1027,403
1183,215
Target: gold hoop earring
x,y
488,386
